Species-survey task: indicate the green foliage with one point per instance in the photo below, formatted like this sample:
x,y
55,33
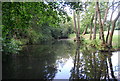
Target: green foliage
x,y
78,6
87,16
82,38
13,46
56,33
96,44
117,25
72,35
115,40
116,46
30,22
67,28
33,36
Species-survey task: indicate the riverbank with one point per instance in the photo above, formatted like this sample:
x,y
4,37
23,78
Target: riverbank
x,y
115,43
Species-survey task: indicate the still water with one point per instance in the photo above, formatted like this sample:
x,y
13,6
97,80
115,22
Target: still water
x,y
61,60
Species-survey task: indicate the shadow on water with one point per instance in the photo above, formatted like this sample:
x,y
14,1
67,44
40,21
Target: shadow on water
x,y
37,61
90,64
59,60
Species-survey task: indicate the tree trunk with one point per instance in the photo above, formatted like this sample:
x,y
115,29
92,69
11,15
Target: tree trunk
x,y
91,27
109,23
78,19
90,32
105,17
75,25
106,12
108,33
99,34
100,23
85,30
112,30
94,30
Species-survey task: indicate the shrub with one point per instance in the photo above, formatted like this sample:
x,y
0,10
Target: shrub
x,y
12,46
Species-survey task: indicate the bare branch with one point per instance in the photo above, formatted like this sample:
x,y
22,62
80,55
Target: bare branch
x,y
113,12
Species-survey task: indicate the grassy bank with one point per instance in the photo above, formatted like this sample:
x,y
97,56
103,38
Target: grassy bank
x,y
115,42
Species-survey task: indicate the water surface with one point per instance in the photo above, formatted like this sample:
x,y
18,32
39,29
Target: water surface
x,y
60,60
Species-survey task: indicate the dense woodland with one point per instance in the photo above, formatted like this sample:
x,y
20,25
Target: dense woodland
x,y
26,23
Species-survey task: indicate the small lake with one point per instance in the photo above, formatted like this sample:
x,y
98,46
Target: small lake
x,y
61,60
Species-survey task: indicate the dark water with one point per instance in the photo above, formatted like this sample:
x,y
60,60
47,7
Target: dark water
x,y
61,60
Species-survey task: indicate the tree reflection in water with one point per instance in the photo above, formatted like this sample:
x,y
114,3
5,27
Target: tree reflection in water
x,y
38,61
49,60
90,64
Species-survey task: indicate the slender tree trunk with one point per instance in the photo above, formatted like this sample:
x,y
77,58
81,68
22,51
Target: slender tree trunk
x,y
105,17
85,30
90,32
109,25
78,19
94,30
91,27
100,23
75,25
112,30
100,35
108,32
106,12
